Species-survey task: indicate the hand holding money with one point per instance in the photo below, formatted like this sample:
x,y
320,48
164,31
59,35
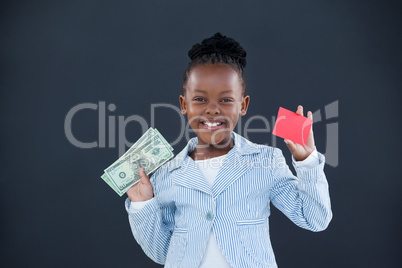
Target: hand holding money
x,y
141,191
149,153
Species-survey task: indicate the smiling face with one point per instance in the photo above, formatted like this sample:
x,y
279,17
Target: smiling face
x,y
213,101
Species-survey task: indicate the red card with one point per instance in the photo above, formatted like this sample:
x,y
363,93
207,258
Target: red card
x,y
292,126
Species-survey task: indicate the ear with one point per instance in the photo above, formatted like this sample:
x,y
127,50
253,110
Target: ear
x,y
244,105
183,105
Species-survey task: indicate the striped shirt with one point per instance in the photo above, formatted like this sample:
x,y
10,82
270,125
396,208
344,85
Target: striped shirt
x,y
174,228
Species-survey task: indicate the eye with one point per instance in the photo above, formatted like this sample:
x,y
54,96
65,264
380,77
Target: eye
x,y
226,100
199,99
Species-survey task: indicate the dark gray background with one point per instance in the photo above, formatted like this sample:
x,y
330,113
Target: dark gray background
x,y
55,209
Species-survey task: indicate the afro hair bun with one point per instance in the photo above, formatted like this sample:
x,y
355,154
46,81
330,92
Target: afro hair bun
x,y
219,44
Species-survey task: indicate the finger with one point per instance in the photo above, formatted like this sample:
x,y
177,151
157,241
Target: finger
x,y
299,110
310,139
310,116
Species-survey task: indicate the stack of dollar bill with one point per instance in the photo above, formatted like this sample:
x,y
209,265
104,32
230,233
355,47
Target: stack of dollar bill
x,y
149,152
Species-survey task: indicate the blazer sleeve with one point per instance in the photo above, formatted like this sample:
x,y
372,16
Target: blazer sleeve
x,y
303,199
152,225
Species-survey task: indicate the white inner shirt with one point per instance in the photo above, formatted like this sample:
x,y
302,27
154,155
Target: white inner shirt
x,y
213,256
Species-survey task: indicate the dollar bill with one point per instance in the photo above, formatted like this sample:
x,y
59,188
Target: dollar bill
x,y
110,183
149,152
163,139
146,136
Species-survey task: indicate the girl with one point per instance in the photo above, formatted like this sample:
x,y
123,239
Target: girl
x,y
209,206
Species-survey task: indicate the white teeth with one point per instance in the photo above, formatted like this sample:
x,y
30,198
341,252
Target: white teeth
x,y
211,124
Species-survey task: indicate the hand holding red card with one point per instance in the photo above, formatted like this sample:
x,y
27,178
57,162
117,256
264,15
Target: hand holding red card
x,y
296,130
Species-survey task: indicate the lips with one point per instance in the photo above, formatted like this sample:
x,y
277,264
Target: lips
x,y
212,124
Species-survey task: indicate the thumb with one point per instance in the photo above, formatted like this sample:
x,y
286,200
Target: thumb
x,y
144,178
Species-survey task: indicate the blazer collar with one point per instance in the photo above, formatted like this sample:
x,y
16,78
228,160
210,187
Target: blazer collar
x,y
233,167
242,146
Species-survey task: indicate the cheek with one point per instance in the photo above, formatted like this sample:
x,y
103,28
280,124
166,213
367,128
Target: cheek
x,y
235,108
192,109
192,118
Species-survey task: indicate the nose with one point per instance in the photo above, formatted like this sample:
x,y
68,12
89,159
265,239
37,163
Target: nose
x,y
212,109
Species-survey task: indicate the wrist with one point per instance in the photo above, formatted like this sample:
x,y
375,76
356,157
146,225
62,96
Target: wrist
x,y
300,158
135,198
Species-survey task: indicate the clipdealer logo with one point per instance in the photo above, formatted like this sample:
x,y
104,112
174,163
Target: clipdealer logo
x,y
107,127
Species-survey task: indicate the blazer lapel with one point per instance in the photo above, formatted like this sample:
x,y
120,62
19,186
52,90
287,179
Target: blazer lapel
x,y
189,175
234,166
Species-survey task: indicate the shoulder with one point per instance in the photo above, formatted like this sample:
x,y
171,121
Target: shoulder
x,y
247,147
265,156
265,150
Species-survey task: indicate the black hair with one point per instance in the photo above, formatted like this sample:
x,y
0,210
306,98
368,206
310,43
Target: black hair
x,y
218,49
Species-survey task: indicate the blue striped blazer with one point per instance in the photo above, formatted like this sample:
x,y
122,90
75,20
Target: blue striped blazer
x,y
174,227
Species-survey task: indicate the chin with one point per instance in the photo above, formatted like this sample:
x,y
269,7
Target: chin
x,y
221,138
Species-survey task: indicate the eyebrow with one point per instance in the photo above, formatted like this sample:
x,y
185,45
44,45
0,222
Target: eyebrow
x,y
203,91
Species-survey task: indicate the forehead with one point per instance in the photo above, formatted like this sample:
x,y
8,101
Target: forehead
x,y
214,78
